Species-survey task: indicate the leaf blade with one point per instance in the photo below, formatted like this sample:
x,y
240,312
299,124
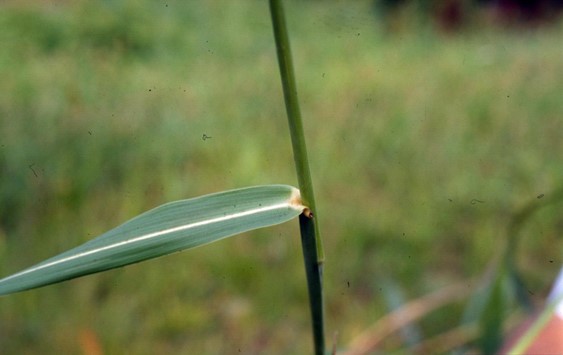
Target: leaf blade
x,y
163,230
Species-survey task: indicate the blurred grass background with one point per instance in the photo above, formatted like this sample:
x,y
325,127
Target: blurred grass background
x,y
103,114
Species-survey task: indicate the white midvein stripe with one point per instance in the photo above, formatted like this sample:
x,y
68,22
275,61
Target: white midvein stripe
x,y
154,235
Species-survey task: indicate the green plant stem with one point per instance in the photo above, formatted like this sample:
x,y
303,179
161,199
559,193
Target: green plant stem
x,y
313,271
310,237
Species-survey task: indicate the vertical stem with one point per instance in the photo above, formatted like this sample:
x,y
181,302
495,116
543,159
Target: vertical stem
x,y
310,237
313,270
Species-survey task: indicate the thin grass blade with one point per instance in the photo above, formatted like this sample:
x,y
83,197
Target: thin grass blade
x,y
166,229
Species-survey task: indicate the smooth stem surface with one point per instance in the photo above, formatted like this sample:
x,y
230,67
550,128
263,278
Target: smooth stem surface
x,y
314,281
293,112
310,237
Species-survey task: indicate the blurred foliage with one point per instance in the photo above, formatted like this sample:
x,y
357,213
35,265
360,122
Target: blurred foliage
x,y
423,147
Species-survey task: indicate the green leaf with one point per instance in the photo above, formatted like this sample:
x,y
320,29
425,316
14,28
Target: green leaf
x,y
490,306
166,229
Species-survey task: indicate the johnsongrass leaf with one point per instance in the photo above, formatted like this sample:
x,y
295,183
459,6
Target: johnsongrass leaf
x,y
166,229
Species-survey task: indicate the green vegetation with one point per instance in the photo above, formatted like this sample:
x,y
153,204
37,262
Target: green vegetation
x,y
169,228
311,241
422,147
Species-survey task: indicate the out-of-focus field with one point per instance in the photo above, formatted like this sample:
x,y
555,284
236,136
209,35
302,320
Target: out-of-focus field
x,y
423,146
